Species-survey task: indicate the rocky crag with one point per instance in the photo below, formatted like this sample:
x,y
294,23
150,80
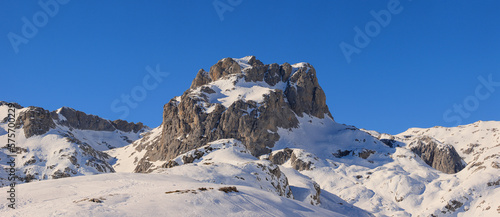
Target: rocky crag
x,y
64,142
287,91
38,121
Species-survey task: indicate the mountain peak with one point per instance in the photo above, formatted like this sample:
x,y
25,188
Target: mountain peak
x,y
241,99
252,69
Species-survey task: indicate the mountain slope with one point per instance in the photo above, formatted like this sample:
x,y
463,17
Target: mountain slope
x,y
121,194
417,188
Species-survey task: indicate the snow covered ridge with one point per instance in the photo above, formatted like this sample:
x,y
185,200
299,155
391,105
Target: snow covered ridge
x,y
63,143
468,140
418,189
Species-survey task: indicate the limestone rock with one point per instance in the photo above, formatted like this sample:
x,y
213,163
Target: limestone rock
x,y
80,120
224,67
201,78
441,157
128,126
35,121
282,156
306,96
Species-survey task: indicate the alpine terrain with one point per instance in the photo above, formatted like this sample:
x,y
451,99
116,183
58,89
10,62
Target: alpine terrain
x,y
246,139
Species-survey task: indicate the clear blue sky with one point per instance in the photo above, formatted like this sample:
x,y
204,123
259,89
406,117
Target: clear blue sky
x,y
425,60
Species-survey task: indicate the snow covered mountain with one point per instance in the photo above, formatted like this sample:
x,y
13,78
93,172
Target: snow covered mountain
x,y
61,143
473,191
254,139
265,106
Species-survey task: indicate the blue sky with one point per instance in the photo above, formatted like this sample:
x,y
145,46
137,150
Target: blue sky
x,y
428,65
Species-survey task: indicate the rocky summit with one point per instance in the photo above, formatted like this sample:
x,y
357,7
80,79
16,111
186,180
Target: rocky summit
x,y
242,99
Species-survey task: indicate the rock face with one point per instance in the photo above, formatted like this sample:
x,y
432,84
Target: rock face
x,y
38,121
128,126
80,120
201,78
199,115
441,157
307,96
35,121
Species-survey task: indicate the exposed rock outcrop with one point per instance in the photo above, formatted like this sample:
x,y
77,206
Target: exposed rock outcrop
x,y
223,68
441,157
282,156
316,198
38,121
80,120
35,121
390,142
201,78
307,96
128,126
